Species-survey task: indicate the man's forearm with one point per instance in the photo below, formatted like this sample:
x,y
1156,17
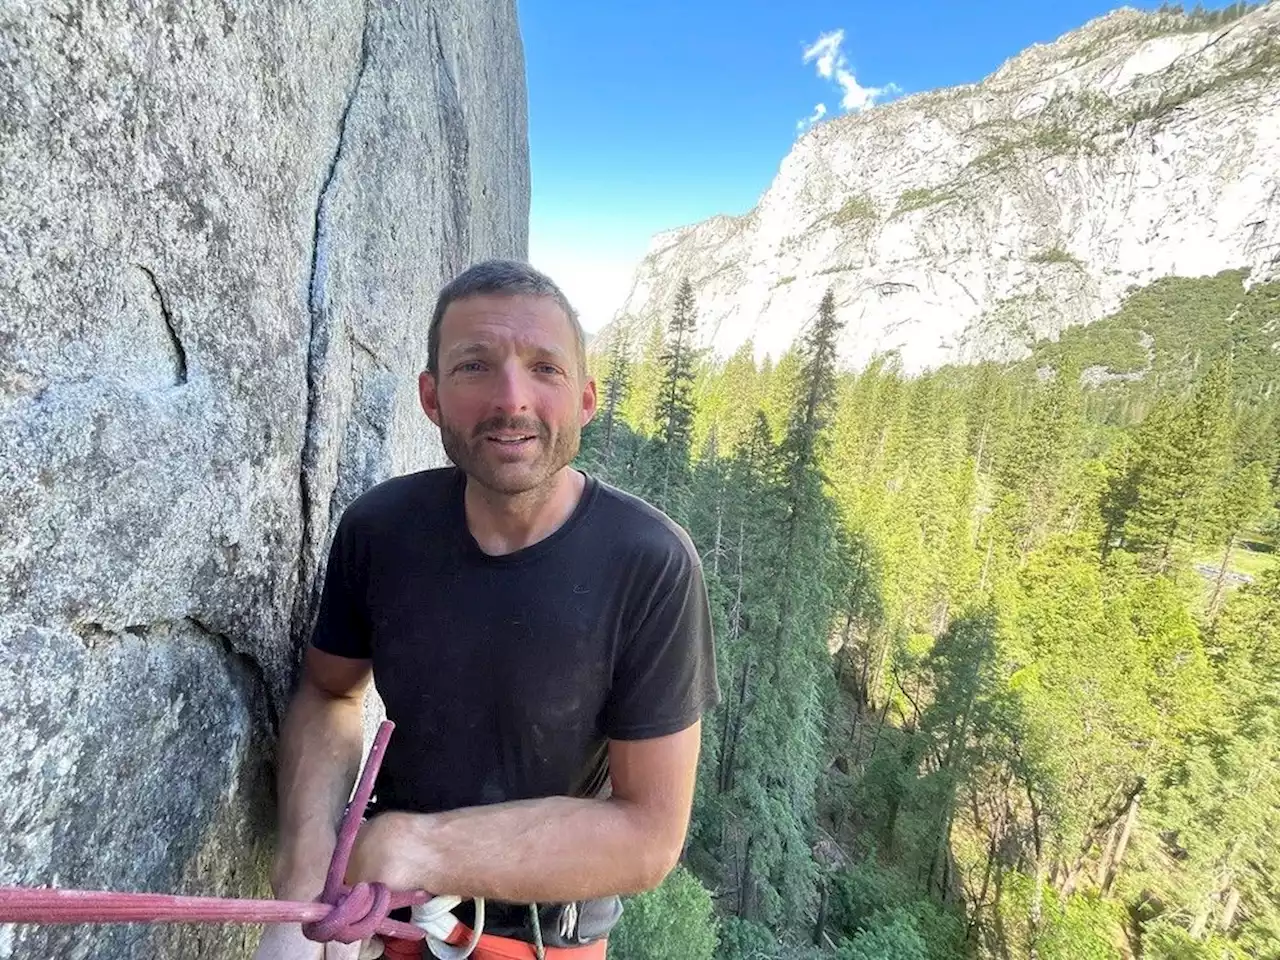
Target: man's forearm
x,y
551,850
320,751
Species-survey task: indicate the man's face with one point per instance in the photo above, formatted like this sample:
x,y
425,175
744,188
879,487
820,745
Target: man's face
x,y
508,396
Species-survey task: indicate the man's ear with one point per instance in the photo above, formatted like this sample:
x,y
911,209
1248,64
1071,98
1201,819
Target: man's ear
x,y
428,396
590,401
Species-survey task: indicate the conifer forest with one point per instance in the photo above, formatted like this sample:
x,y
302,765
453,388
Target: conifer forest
x,y
998,644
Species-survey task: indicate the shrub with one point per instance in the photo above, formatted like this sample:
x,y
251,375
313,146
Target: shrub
x,y
854,209
919,198
673,920
746,940
1056,255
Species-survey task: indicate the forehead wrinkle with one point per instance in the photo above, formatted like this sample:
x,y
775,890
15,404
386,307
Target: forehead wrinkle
x,y
481,314
523,345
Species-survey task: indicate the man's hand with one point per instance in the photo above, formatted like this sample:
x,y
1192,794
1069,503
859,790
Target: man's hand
x,y
555,849
384,852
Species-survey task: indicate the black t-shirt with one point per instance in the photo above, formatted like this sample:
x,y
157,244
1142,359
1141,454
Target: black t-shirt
x,y
506,675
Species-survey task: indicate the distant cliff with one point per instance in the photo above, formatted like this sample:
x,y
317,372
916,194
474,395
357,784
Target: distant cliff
x,y
966,223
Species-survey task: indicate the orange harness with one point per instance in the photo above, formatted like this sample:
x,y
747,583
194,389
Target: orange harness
x,y
493,948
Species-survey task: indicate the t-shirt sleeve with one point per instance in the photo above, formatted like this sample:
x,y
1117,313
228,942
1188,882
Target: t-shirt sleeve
x,y
342,626
665,676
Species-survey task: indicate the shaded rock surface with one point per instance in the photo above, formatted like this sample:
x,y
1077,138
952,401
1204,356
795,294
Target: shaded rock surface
x,y
222,226
965,223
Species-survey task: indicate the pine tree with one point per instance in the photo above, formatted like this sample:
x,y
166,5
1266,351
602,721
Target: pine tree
x,y
646,374
616,386
1037,463
674,412
804,443
1177,468
812,413
1240,501
780,383
728,402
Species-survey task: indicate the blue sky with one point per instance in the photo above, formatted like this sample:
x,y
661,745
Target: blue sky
x,y
645,116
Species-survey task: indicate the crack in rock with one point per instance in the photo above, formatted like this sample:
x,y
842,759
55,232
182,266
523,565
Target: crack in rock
x,y
94,634
248,662
318,342
179,351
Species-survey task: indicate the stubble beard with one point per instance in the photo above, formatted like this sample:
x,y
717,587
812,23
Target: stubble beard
x,y
469,454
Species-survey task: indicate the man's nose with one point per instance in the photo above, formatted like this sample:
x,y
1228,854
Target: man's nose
x,y
512,390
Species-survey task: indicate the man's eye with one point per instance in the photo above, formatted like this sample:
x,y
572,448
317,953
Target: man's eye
x,y
547,368
470,366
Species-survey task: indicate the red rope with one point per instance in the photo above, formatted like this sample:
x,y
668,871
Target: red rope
x,y
343,913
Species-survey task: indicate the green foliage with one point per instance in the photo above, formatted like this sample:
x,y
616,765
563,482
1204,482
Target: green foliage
x,y
1056,255
613,388
745,940
673,920
778,392
1055,138
727,397
1260,60
1175,18
853,210
1177,474
877,915
861,892
896,937
1075,928
1165,941
674,411
641,401
1169,332
1094,102
919,198
960,638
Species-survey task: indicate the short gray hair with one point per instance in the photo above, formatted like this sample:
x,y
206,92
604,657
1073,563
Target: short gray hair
x,y
504,278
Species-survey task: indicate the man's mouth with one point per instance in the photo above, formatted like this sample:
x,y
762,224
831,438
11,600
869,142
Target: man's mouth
x,y
512,440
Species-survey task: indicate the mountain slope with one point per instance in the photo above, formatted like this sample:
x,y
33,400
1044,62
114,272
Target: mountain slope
x,y
968,223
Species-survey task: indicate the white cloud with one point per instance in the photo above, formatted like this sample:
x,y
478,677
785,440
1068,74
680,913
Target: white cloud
x,y
826,50
819,112
832,64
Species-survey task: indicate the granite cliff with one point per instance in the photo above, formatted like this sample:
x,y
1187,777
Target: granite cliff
x,y
222,226
966,223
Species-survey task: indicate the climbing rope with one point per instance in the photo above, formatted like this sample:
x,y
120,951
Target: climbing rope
x,y
346,914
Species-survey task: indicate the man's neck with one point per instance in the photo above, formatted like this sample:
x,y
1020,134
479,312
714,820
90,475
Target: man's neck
x,y
504,524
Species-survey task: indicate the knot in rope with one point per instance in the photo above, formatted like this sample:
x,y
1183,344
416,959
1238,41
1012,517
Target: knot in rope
x,y
355,916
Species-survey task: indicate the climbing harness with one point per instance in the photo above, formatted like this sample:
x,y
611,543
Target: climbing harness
x,y
347,914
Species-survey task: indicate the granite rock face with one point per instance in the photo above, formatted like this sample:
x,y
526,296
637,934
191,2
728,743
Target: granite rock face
x,y
964,223
222,227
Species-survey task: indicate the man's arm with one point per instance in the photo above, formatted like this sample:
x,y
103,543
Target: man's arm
x,y
321,746
550,850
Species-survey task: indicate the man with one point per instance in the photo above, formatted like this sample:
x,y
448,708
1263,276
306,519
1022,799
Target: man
x,y
541,640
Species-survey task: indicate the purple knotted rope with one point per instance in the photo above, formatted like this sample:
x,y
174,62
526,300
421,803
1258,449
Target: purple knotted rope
x,y
359,910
